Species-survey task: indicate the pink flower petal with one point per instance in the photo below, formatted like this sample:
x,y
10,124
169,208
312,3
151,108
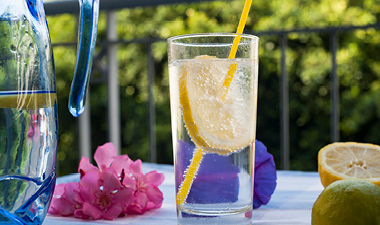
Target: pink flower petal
x,y
112,212
104,155
71,189
111,180
136,169
154,194
154,178
135,209
92,211
86,194
151,205
79,214
62,206
129,182
53,208
91,180
85,165
121,162
59,189
124,196
141,199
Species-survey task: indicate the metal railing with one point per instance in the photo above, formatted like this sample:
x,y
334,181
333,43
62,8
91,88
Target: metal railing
x,y
113,86
334,78
71,6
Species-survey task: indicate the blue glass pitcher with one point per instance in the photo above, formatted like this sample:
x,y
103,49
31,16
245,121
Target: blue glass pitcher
x,y
28,108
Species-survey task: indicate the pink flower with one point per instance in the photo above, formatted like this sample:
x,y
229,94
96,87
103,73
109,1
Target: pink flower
x,y
63,201
33,132
147,196
105,156
114,188
103,195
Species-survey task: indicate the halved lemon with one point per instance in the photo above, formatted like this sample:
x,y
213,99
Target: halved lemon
x,y
27,100
349,160
215,123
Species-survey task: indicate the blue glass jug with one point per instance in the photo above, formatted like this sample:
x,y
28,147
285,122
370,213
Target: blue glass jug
x,y
28,108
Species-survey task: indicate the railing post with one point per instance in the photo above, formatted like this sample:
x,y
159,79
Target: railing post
x,y
114,134
152,111
334,89
284,99
84,123
84,130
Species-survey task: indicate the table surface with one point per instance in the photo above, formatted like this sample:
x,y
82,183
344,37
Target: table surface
x,y
290,204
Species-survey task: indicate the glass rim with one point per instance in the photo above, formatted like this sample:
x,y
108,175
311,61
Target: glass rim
x,y
178,37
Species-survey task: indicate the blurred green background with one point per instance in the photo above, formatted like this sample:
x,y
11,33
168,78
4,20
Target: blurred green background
x,y
308,63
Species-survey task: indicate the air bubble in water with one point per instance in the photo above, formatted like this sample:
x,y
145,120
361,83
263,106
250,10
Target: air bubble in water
x,y
13,49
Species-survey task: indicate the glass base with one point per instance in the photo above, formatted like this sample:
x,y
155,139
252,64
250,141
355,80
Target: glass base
x,y
210,216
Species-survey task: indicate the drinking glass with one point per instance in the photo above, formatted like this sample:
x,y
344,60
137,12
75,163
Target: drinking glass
x,y
213,100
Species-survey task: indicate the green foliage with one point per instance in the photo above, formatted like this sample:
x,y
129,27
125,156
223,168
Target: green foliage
x,y
308,64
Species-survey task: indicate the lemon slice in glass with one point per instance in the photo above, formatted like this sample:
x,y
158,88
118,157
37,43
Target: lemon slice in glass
x,y
217,125
349,160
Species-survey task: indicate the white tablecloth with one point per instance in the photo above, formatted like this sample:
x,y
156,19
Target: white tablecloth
x,y
290,204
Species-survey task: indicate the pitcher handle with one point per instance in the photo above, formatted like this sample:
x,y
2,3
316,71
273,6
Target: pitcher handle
x,y
89,14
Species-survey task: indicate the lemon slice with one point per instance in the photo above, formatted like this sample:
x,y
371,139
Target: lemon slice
x,y
217,123
349,160
27,100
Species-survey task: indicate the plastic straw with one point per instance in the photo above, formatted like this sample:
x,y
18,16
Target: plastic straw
x,y
235,44
184,189
189,177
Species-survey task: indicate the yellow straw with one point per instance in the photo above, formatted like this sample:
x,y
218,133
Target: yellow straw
x,y
235,44
189,177
184,189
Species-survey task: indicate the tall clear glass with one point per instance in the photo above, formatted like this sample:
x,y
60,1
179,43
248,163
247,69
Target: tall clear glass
x,y
213,100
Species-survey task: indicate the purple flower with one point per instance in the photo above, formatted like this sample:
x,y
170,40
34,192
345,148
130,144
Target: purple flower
x,y
265,176
217,179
